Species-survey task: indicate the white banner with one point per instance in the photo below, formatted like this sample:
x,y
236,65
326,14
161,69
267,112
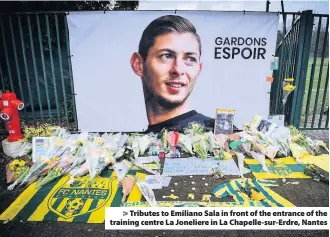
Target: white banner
x,y
236,52
202,218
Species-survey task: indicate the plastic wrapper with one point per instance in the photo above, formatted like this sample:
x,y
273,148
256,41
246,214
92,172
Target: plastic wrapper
x,y
147,192
144,143
298,152
313,146
79,158
25,149
185,143
60,132
79,171
56,149
173,139
135,147
261,159
121,169
243,170
245,148
142,166
123,139
200,147
287,89
221,139
51,164
35,170
322,144
156,146
18,180
119,153
271,151
259,148
280,138
110,141
52,175
213,144
97,159
15,169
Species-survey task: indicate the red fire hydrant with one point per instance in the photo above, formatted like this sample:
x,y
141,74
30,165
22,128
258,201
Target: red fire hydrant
x,y
9,106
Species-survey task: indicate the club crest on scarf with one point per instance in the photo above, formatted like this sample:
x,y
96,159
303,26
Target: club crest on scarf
x,y
77,198
280,169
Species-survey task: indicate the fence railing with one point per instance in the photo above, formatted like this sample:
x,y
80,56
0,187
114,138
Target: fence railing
x,y
303,55
315,110
35,64
286,50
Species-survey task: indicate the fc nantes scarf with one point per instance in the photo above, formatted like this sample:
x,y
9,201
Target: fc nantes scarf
x,y
70,202
281,168
236,187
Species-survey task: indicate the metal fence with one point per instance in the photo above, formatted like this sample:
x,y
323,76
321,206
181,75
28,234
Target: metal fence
x,y
35,64
303,55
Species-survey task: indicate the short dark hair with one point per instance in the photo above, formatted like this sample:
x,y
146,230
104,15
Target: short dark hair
x,y
164,25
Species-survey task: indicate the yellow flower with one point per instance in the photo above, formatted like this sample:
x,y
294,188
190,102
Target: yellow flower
x,y
22,163
288,79
289,87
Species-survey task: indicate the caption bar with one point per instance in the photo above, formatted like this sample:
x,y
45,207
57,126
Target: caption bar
x,y
202,218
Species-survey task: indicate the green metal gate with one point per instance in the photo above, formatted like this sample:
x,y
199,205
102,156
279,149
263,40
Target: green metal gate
x,y
303,55
35,64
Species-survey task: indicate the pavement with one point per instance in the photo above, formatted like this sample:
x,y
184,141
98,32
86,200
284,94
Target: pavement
x,y
308,193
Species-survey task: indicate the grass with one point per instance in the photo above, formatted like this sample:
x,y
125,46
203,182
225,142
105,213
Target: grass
x,y
316,105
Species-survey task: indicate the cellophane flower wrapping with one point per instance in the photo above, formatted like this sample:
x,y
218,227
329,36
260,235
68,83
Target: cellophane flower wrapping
x,y
144,143
261,159
79,171
97,159
321,143
200,146
298,152
185,143
156,145
240,160
173,139
74,144
15,169
56,149
280,138
52,175
147,192
287,89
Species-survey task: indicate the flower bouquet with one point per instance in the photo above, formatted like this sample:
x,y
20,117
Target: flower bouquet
x,y
55,150
15,169
287,89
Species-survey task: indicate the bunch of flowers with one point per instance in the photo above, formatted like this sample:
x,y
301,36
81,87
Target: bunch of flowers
x,y
288,87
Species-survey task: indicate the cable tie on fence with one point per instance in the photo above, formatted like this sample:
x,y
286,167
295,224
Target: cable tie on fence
x,y
244,12
175,11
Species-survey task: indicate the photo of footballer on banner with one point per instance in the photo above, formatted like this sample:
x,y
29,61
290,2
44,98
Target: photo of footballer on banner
x,y
186,69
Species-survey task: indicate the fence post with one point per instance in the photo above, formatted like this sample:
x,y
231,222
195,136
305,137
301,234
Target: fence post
x,y
304,44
